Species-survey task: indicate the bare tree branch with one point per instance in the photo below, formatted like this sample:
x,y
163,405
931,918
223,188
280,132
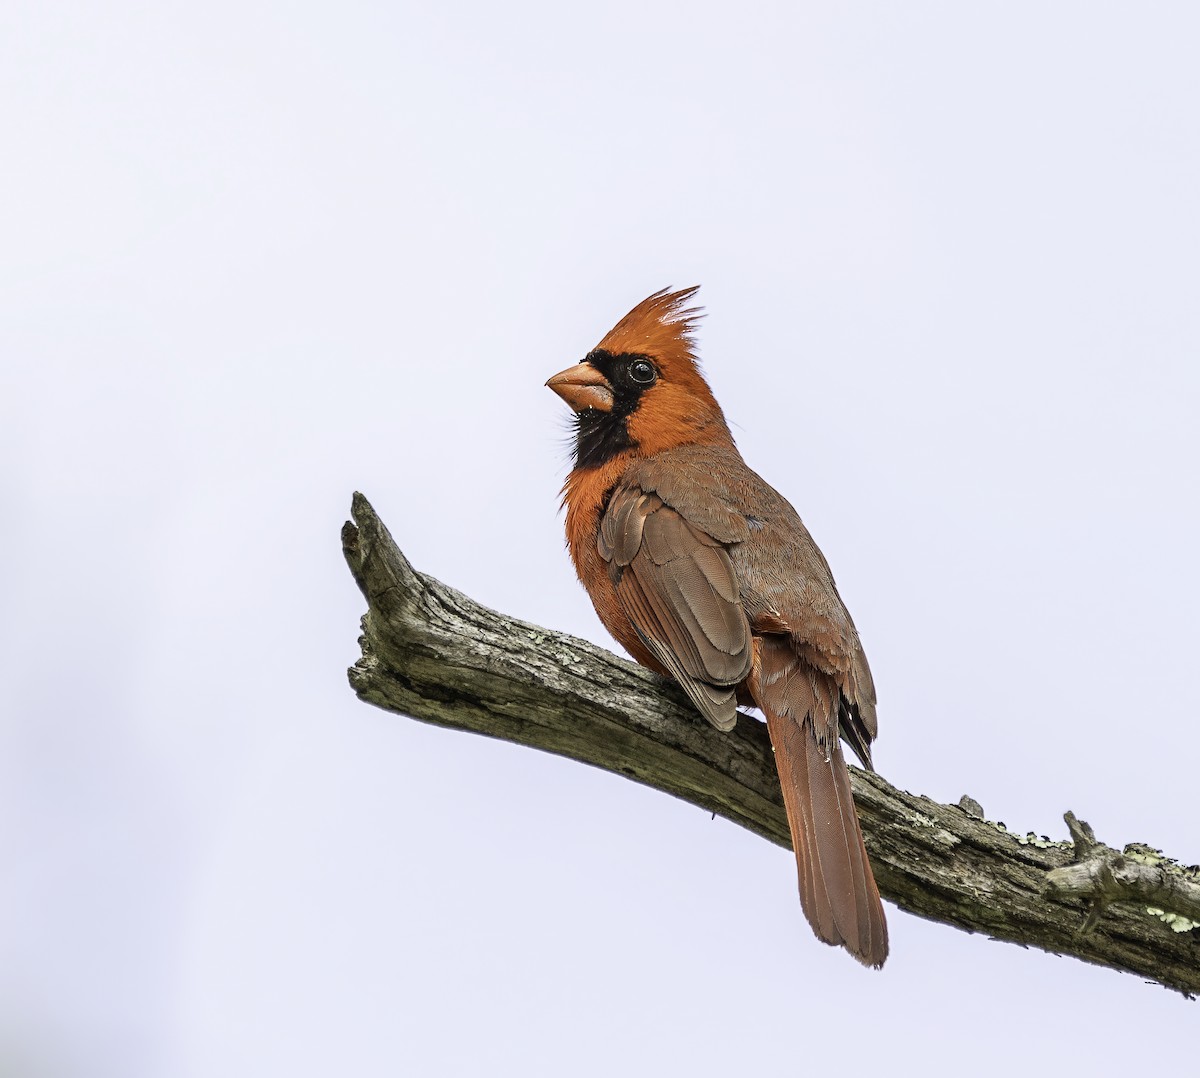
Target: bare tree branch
x,y
430,652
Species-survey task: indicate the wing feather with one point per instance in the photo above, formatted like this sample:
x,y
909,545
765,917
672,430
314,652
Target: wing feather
x,y
680,590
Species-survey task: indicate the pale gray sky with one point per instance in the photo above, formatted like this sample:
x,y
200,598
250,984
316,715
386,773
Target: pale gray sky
x,y
255,256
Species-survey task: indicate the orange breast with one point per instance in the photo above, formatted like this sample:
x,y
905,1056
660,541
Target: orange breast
x,y
585,496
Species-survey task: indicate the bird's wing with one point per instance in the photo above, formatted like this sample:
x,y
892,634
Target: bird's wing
x,y
800,660
678,586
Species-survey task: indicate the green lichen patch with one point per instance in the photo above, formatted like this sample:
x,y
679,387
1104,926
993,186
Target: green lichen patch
x,y
1040,841
1146,855
1174,921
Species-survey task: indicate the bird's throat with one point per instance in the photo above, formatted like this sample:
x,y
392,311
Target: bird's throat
x,y
600,436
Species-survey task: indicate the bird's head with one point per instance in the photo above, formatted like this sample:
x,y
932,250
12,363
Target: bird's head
x,y
640,390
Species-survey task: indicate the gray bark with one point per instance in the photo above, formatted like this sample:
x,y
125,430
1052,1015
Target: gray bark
x,y
432,653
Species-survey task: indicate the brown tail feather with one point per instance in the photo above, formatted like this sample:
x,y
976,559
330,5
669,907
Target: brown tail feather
x,y
837,888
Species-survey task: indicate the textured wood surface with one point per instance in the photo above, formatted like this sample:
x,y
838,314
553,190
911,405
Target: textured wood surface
x,y
431,653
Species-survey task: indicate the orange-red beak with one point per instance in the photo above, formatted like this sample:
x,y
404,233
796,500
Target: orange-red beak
x,y
583,387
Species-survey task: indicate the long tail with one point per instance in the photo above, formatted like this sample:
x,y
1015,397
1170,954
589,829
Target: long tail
x,y
837,888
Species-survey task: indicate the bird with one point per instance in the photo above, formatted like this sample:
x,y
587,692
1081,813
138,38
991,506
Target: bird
x,y
706,575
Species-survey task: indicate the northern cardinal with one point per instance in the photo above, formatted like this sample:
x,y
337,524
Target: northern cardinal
x,y
706,574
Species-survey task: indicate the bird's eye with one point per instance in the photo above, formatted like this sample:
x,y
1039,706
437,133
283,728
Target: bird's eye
x,y
642,371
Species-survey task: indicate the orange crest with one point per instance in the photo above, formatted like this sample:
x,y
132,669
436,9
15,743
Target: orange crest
x,y
660,326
